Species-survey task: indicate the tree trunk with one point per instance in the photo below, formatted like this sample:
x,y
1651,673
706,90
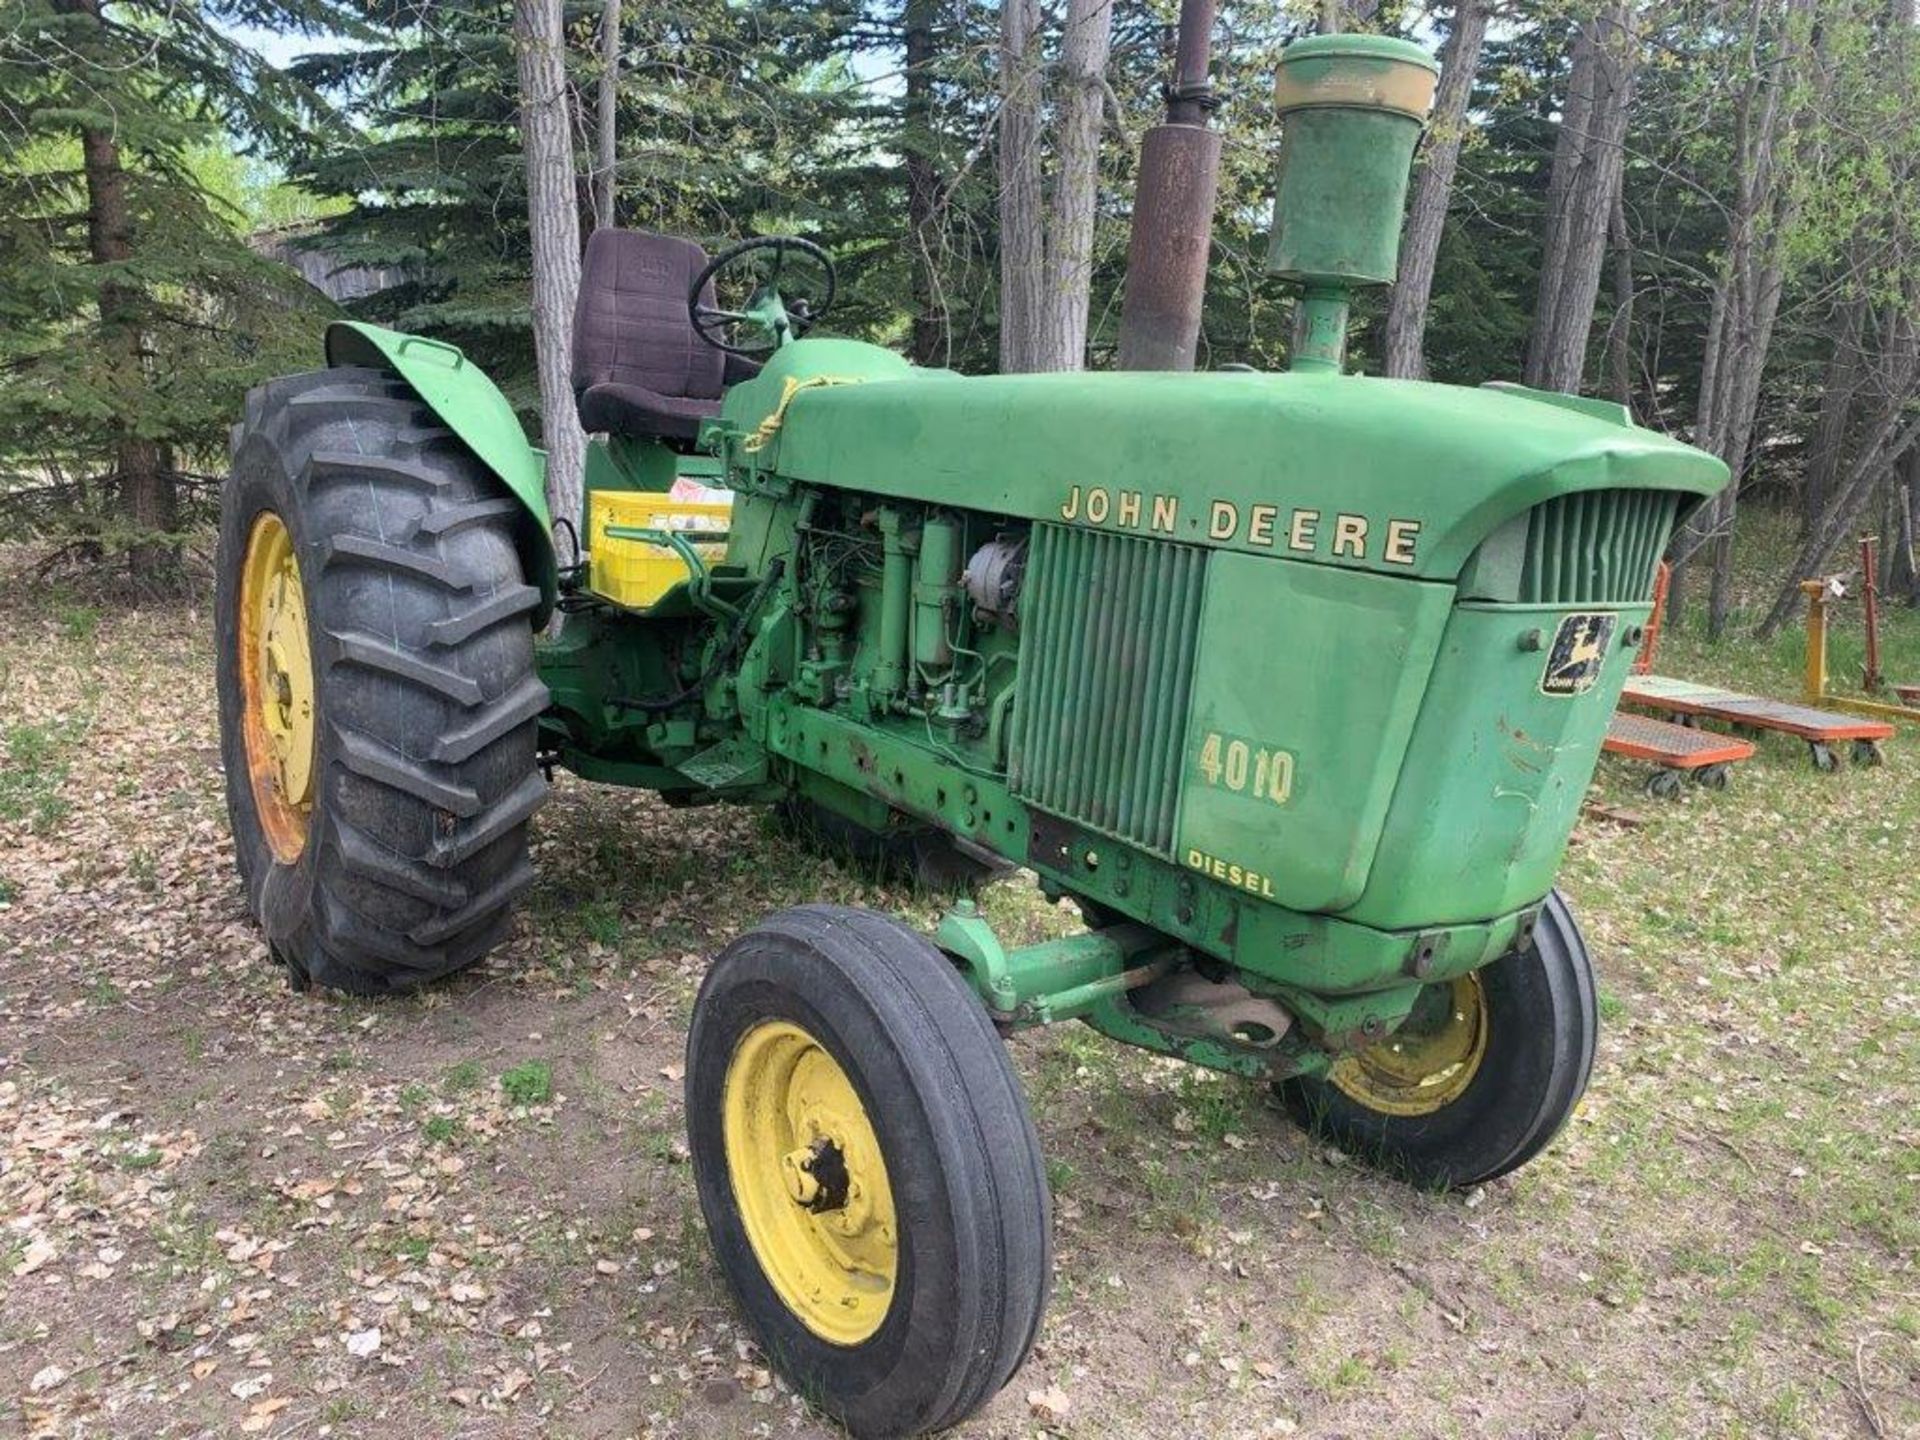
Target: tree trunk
x,y
1432,186
1886,433
1907,532
1081,107
606,129
1620,331
1334,14
1587,164
1762,216
1022,221
143,474
928,342
1828,446
555,225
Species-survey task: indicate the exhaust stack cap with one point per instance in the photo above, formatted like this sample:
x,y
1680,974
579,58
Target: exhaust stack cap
x,y
1352,108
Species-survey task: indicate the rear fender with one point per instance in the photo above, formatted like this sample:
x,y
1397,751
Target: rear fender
x,y
471,406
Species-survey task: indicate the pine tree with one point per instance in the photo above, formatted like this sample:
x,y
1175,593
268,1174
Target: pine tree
x,y
135,314
727,122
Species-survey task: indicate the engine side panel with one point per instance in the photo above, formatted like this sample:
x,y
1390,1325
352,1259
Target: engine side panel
x,y
1307,687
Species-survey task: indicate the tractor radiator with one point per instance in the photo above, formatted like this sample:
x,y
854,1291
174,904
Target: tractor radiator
x,y
1108,625
1596,547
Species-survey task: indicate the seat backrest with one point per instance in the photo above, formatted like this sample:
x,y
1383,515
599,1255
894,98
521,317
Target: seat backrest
x,y
630,323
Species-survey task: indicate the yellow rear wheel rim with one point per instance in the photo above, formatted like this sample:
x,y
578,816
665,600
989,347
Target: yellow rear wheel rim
x,y
276,685
1427,1063
810,1182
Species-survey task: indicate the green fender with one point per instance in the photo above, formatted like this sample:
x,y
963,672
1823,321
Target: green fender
x,y
471,406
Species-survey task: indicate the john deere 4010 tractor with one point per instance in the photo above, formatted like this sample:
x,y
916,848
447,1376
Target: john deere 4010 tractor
x,y
1293,682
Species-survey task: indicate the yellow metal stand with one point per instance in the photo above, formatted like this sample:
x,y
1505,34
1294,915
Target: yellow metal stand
x,y
1815,687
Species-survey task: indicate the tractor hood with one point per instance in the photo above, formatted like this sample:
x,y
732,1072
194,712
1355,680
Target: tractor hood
x,y
1392,476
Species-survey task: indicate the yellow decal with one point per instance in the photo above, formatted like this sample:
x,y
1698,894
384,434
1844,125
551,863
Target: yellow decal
x,y
1238,876
1401,535
1262,525
1256,771
1303,531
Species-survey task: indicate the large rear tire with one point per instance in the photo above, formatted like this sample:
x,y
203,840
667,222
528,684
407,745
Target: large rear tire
x,y
1480,1078
378,700
870,1178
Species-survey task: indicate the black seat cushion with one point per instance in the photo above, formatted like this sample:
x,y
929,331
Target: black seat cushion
x,y
636,410
638,367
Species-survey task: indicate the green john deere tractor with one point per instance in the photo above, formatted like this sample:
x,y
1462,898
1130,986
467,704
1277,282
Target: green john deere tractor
x,y
1294,682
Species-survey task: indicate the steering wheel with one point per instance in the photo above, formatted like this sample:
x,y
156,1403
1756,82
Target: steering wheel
x,y
768,312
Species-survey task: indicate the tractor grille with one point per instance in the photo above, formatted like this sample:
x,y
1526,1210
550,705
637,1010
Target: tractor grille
x,y
1107,634
1596,547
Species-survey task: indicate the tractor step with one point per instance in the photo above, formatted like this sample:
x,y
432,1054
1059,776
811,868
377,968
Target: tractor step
x,y
729,765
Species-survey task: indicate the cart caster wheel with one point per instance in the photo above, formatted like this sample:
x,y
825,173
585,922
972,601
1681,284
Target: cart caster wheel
x,y
1712,777
871,1181
1664,784
1824,760
1868,752
1479,1077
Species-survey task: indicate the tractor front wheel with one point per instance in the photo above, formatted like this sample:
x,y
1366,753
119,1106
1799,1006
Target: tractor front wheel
x,y
377,691
1480,1077
871,1181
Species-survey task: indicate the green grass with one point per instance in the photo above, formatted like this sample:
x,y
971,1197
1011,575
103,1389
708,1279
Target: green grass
x,y
528,1083
1716,1245
442,1129
33,768
78,623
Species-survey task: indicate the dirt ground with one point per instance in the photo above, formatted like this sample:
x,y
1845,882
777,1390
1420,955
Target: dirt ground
x,y
226,1208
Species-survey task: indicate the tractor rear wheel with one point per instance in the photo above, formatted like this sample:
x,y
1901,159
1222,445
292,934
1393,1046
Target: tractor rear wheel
x,y
1480,1077
377,690
870,1178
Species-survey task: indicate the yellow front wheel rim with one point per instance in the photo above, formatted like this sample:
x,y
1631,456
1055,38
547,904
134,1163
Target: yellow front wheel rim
x,y
810,1182
1429,1062
276,684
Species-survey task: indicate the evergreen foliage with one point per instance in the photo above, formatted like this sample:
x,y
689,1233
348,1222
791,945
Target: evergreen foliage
x,y
391,147
133,314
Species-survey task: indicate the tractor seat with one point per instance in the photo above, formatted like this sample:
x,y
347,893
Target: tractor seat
x,y
638,368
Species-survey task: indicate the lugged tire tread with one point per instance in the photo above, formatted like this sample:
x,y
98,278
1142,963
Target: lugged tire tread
x,y
361,468
370,860
474,512
418,859
501,893
483,830
507,604
361,549
515,708
373,760
354,647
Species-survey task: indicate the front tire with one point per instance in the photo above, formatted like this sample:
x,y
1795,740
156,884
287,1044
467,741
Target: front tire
x,y
1486,1070
870,1179
378,700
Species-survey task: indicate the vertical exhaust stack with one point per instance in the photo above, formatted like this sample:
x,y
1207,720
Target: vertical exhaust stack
x,y
1352,108
1173,201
